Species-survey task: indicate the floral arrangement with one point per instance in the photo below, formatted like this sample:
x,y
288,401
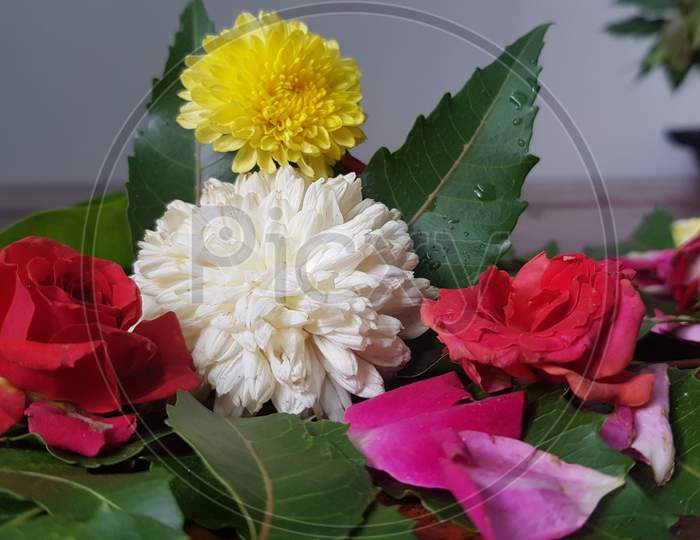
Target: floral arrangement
x,y
266,338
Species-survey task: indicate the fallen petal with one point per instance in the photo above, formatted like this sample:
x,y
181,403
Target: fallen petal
x,y
430,395
85,434
654,440
408,450
618,430
512,491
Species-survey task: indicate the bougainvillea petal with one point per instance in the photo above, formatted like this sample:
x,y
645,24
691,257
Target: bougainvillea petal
x,y
410,452
513,491
618,429
430,395
12,401
85,434
654,439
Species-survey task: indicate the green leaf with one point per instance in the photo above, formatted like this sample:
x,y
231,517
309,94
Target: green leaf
x,y
559,428
104,523
15,508
99,228
285,481
457,179
76,495
385,522
681,495
653,233
123,453
203,499
440,503
168,163
636,26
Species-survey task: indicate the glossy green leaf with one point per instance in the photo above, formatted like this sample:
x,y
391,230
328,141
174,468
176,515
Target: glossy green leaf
x,y
74,494
457,179
167,162
99,228
286,479
571,434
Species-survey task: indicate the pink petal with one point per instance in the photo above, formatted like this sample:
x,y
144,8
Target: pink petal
x,y
408,450
82,433
618,430
654,440
425,396
513,491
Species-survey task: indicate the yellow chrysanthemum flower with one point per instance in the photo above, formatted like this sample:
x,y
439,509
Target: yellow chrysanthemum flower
x,y
685,229
274,92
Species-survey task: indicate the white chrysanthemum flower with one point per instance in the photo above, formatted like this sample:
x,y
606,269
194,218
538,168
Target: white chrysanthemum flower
x,y
288,289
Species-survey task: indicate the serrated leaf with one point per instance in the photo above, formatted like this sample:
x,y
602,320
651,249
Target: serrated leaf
x,y
123,453
168,163
457,179
681,495
653,233
286,481
99,228
571,434
636,26
75,495
385,522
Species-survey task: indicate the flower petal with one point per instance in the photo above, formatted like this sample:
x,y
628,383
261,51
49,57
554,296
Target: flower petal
x,y
511,490
77,431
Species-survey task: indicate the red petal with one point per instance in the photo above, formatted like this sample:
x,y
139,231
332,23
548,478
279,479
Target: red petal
x,y
78,432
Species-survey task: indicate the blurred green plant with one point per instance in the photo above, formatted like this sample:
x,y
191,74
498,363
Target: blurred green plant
x,y
675,26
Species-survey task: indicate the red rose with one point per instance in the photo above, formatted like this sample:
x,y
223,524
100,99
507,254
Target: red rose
x,y
69,288
63,337
685,275
571,320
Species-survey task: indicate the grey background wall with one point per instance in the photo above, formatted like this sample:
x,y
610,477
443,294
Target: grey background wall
x,y
72,71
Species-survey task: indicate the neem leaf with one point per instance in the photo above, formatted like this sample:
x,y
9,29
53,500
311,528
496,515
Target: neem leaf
x,y
123,453
653,233
75,495
104,523
559,428
681,495
168,163
385,522
636,26
285,481
99,228
457,179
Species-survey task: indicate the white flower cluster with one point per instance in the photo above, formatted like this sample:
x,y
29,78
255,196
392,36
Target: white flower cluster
x,y
288,289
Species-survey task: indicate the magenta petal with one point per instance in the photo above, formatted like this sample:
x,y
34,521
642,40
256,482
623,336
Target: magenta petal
x,y
654,440
425,396
618,430
410,452
513,491
79,432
